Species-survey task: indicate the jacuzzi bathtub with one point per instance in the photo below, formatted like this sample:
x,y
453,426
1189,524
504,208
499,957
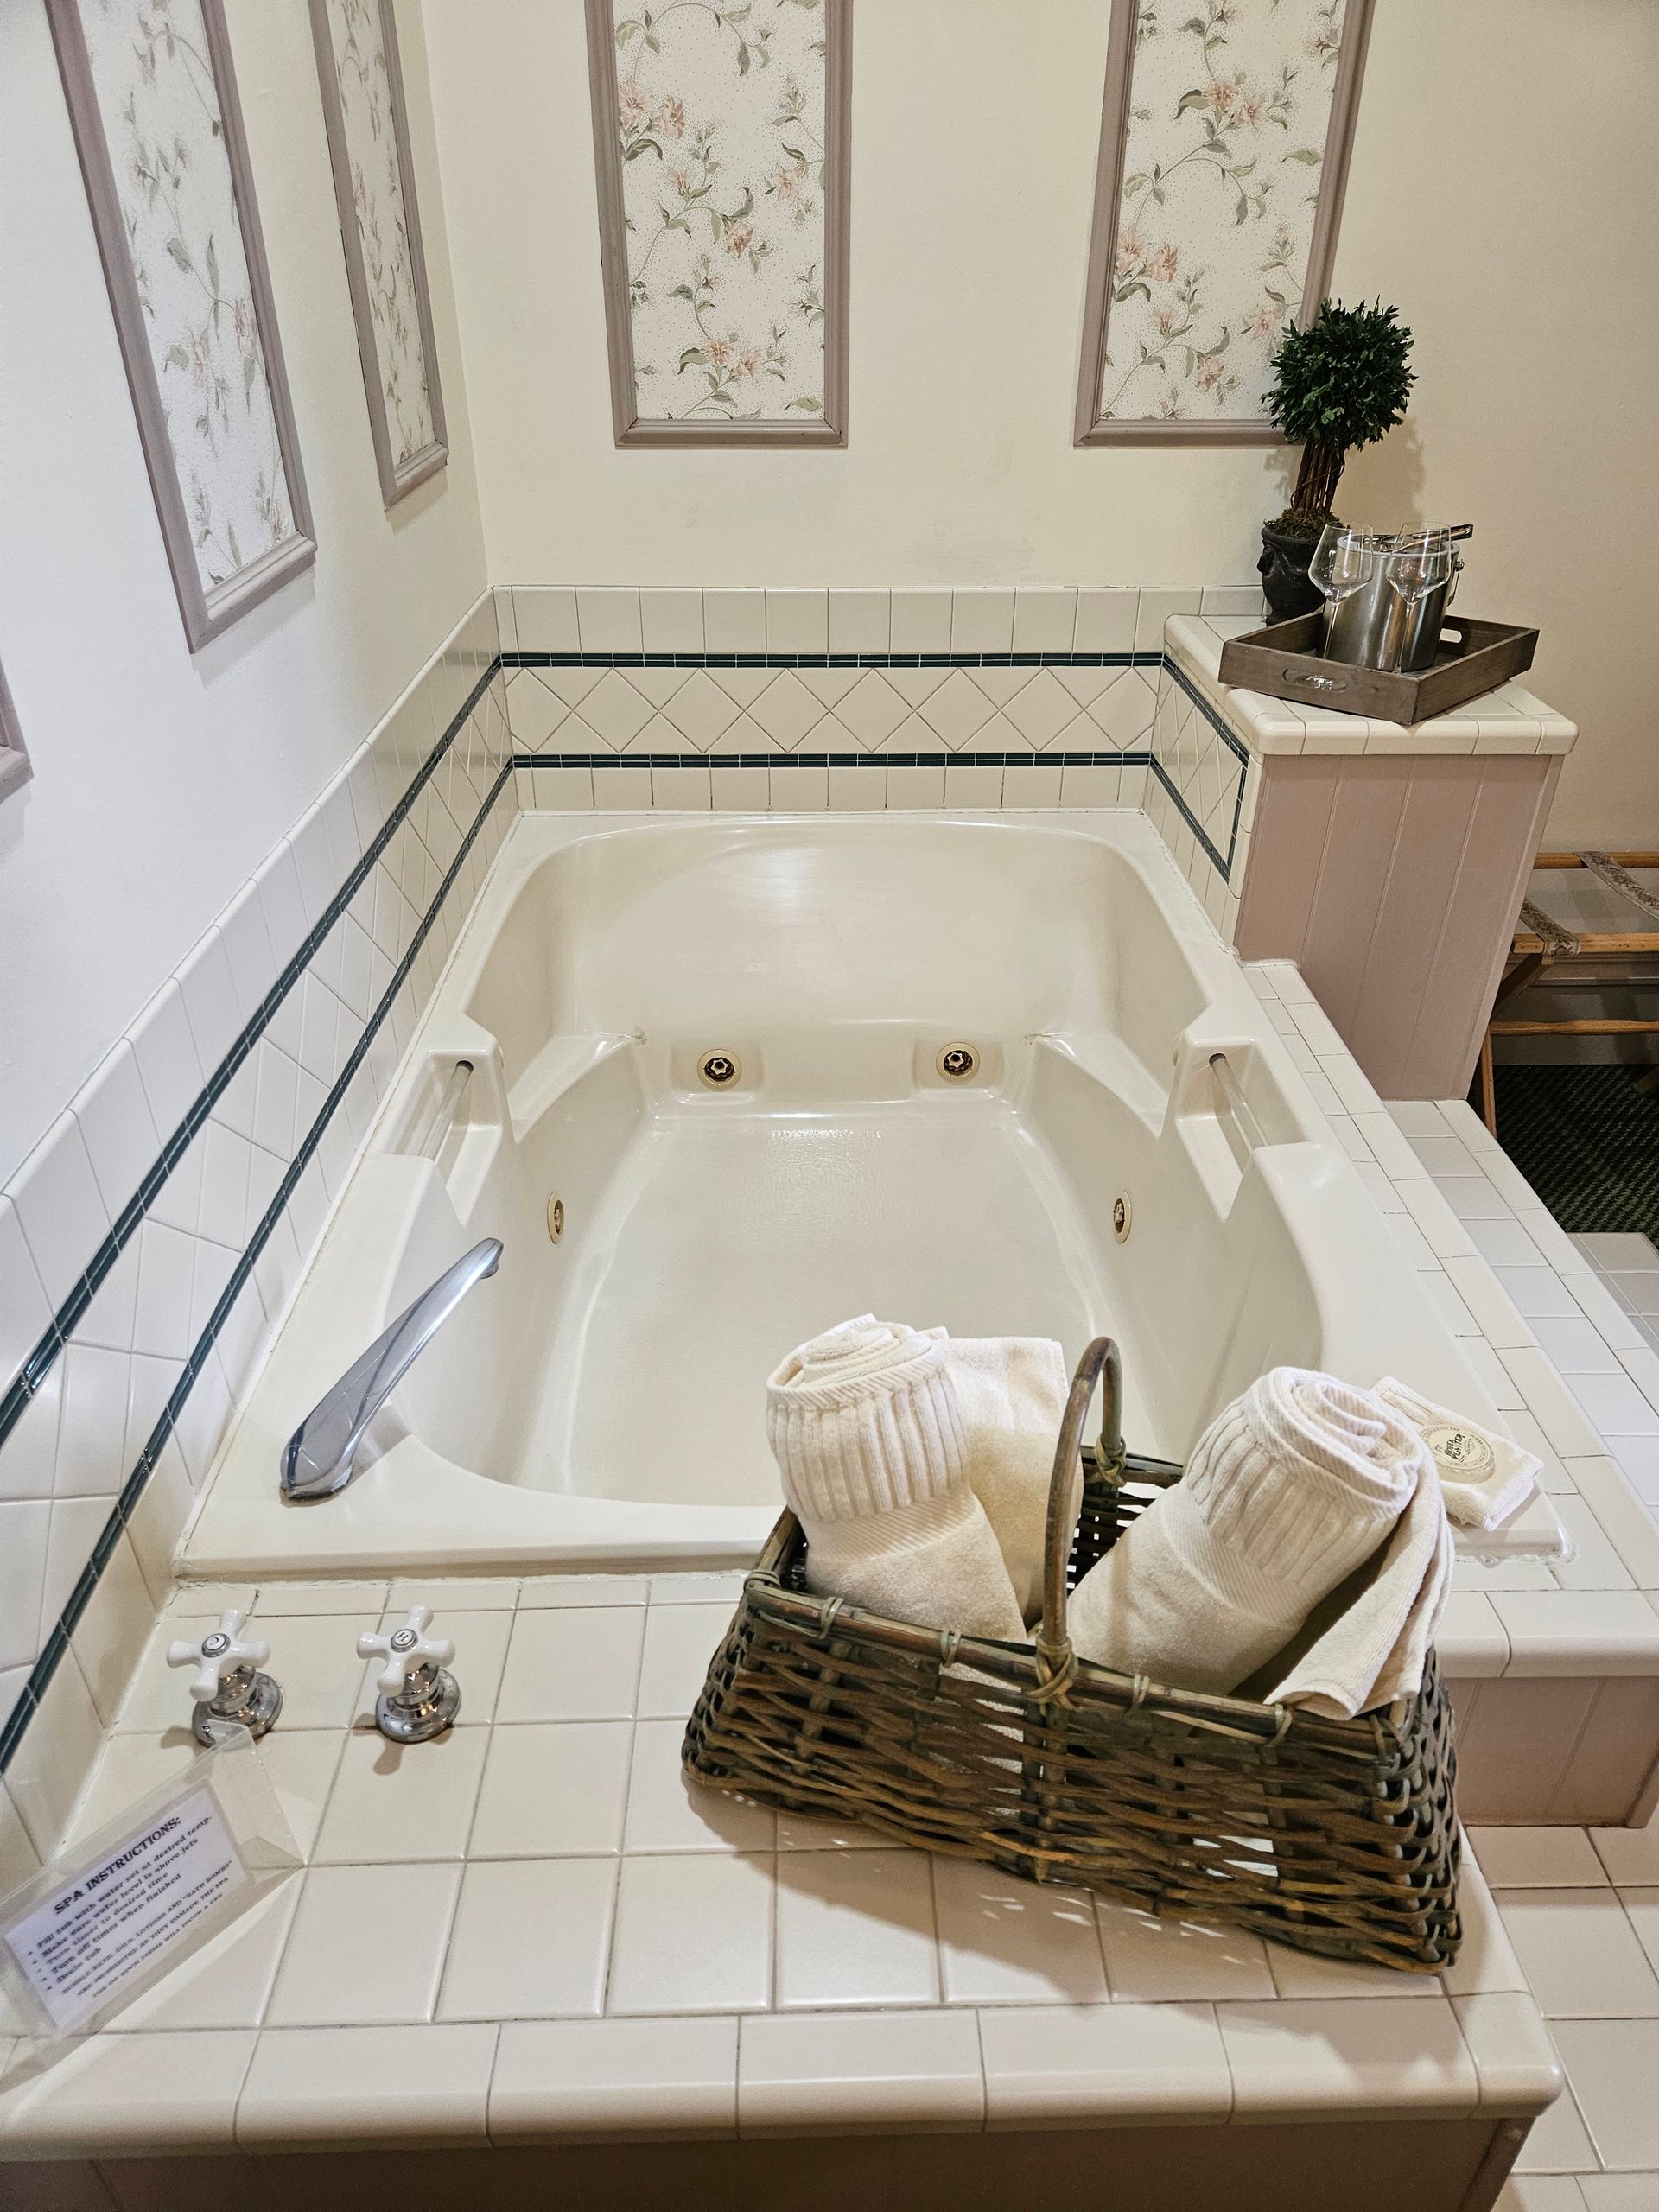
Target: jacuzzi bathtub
x,y
599,1401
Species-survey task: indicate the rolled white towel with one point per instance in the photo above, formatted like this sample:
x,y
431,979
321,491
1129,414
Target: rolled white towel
x,y
1287,1492
1012,1393
1484,1478
864,1424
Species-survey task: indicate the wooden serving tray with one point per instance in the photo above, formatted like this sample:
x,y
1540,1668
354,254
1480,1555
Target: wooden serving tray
x,y
1283,661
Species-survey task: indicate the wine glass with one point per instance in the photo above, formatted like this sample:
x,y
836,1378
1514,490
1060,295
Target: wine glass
x,y
1342,565
1420,563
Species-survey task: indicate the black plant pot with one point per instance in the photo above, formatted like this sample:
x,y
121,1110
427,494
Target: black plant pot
x,y
1283,566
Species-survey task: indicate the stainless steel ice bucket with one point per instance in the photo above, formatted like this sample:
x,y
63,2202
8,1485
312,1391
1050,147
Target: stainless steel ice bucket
x,y
1375,628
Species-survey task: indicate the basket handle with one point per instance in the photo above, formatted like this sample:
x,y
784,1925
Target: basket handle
x,y
1052,1643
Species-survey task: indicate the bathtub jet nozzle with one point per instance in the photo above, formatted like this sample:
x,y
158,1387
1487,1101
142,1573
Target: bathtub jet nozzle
x,y
320,1458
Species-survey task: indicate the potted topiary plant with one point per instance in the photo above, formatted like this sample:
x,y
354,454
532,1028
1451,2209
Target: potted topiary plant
x,y
1341,382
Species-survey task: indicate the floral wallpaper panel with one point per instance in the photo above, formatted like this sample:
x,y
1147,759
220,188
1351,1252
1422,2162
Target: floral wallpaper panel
x,y
1229,105
153,83
364,76
721,121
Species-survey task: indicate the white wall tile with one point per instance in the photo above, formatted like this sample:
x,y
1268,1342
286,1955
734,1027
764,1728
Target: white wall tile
x,y
25,1311
681,789
25,1524
797,621
921,622
855,790
113,1629
1155,608
982,621
122,1139
52,1762
1044,619
63,1216
1106,621
671,621
735,621
607,620
860,621
913,787
246,940
210,1000
545,620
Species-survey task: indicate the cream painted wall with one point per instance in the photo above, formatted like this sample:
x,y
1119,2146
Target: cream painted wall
x,y
161,781
1503,185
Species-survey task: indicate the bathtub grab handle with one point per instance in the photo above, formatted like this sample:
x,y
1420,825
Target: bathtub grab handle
x,y
1238,1107
439,1122
320,1457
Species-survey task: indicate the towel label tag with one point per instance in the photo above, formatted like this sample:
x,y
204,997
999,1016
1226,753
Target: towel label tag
x,y
1460,1450
115,1919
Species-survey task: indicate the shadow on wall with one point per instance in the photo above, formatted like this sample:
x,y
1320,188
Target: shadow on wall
x,y
1382,487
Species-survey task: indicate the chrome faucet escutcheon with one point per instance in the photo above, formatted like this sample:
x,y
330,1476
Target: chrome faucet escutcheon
x,y
229,1688
321,1456
419,1697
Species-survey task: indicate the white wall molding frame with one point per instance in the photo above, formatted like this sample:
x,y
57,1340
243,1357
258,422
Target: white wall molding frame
x,y
1192,276
158,127
722,147
365,113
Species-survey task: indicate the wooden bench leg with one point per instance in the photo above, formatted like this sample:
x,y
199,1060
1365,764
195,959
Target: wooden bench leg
x,y
1488,1085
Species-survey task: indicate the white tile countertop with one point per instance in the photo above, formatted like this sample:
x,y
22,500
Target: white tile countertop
x,y
536,1928
1509,720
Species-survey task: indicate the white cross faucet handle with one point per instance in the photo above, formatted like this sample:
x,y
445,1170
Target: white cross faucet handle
x,y
219,1653
405,1649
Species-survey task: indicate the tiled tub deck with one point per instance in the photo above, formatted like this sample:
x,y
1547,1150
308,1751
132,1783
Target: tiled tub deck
x,y
534,1930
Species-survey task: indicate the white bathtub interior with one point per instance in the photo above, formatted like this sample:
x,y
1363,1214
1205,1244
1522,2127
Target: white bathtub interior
x,y
601,1400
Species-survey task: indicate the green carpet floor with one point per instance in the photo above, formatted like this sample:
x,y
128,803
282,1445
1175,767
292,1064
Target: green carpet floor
x,y
1587,1141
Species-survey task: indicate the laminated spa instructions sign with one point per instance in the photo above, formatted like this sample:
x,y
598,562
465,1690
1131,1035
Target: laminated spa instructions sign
x,y
82,1939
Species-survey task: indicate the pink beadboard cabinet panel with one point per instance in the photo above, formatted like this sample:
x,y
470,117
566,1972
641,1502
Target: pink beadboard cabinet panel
x,y
1393,882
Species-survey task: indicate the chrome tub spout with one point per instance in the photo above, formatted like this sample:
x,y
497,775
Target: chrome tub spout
x,y
320,1457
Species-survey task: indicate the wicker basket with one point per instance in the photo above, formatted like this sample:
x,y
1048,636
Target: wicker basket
x,y
1336,1836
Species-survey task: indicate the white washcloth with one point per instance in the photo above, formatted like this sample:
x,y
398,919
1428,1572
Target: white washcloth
x,y
1012,1394
1287,1493
1376,1648
864,1424
1484,1478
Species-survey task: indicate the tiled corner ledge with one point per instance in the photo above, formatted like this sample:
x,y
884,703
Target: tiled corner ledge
x,y
1210,738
